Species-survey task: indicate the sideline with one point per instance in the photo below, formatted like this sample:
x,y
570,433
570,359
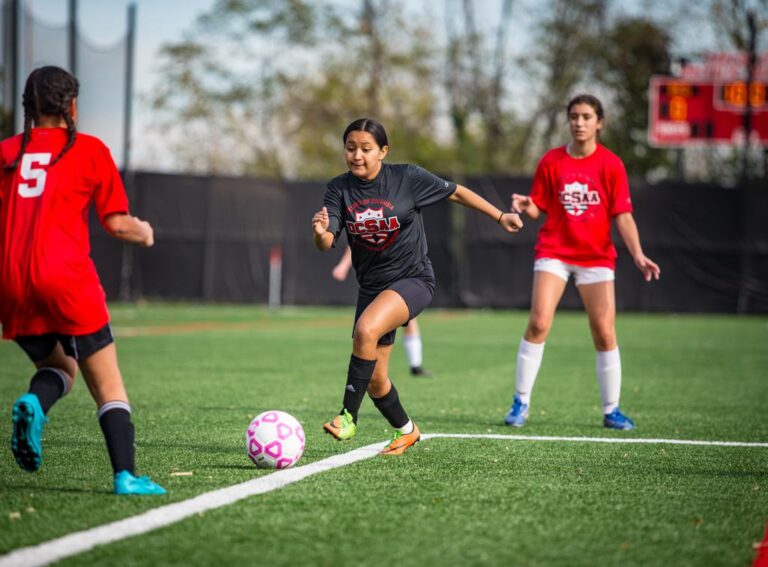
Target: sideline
x,y
80,542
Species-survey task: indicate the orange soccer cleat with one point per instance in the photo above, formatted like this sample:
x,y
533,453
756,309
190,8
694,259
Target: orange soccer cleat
x,y
342,427
401,441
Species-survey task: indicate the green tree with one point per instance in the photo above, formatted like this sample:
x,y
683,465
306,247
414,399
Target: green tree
x,y
568,40
266,88
475,75
632,50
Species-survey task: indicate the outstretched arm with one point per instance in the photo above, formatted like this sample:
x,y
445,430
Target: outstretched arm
x,y
131,229
509,221
524,204
625,223
341,269
323,238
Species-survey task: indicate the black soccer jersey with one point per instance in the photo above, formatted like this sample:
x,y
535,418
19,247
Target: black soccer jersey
x,y
383,221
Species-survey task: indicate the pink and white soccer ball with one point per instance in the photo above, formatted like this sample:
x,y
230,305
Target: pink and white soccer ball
x,y
274,440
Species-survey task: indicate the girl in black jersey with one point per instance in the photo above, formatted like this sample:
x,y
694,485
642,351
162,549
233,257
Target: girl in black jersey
x,y
379,205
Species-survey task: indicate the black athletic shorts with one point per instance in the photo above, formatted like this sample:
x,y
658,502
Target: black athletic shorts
x,y
416,292
38,347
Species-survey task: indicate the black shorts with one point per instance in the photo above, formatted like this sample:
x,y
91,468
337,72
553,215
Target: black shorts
x,y
38,347
416,292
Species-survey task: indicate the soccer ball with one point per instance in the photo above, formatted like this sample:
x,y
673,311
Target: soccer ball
x,y
274,440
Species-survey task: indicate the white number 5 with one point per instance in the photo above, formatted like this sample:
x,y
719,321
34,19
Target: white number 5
x,y
31,173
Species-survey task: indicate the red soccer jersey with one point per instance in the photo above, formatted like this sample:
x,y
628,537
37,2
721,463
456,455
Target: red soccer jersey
x,y
580,197
48,282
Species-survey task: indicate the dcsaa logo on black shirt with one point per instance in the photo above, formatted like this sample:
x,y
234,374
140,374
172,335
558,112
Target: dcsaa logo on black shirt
x,y
373,227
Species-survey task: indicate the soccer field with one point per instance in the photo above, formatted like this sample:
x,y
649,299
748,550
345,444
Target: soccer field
x,y
197,374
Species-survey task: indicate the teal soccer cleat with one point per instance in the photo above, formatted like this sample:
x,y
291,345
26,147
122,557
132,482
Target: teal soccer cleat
x,y
27,437
617,420
126,483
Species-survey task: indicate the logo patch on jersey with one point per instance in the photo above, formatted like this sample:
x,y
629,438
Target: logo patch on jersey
x,y
576,198
372,226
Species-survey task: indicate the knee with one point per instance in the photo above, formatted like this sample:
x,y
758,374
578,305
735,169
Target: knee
x,y
538,328
604,338
366,334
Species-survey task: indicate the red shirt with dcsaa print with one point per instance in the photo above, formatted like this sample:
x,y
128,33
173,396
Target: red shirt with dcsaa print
x,y
580,197
48,282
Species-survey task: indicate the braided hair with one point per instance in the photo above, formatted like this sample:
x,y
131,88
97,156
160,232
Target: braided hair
x,y
48,92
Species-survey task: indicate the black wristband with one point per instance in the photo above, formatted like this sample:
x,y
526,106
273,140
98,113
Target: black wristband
x,y
500,216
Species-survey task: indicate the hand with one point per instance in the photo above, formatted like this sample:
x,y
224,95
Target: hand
x,y
511,222
320,222
520,203
649,268
340,272
149,234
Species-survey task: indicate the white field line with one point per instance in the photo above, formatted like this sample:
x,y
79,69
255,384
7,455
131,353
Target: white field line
x,y
80,542
594,439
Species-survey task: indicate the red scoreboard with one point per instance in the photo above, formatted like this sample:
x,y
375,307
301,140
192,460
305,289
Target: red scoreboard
x,y
701,112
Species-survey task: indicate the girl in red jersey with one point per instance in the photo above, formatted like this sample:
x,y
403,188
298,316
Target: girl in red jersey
x,y
581,187
51,301
379,206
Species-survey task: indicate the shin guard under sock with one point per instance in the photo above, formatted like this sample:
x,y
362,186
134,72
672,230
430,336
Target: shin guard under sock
x,y
358,377
115,421
49,384
391,408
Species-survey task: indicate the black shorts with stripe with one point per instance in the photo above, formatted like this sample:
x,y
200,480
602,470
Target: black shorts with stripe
x,y
416,292
39,347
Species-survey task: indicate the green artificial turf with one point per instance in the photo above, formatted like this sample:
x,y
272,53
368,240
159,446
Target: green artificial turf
x,y
197,374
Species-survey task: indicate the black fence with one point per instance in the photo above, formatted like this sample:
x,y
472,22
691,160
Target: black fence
x,y
214,236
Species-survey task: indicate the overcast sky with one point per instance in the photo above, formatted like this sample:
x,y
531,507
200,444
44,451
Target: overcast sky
x,y
102,23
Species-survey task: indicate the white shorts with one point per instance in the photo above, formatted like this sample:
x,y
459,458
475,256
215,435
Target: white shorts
x,y
581,274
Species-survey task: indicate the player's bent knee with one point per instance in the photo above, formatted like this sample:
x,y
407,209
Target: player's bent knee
x,y
366,334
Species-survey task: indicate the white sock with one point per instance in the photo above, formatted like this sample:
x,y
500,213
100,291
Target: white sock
x,y
407,428
608,367
412,344
529,357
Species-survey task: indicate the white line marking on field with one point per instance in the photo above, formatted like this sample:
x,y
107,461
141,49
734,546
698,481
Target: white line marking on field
x,y
80,542
595,439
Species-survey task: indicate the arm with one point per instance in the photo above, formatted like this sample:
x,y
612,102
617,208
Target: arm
x,y
509,221
323,238
625,223
341,269
129,229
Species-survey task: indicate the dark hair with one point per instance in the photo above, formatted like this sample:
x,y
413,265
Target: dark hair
x,y
589,99
371,126
48,92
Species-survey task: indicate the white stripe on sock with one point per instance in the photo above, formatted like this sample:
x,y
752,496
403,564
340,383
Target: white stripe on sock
x,y
113,405
65,379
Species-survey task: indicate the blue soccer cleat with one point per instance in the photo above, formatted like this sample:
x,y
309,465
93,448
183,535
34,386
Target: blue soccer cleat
x,y
27,437
617,420
126,483
518,413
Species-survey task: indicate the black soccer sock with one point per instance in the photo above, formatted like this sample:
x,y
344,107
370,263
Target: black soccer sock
x,y
48,384
115,421
391,408
358,377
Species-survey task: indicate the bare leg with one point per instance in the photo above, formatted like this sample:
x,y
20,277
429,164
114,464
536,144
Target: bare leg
x,y
548,289
600,303
385,313
380,384
103,377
